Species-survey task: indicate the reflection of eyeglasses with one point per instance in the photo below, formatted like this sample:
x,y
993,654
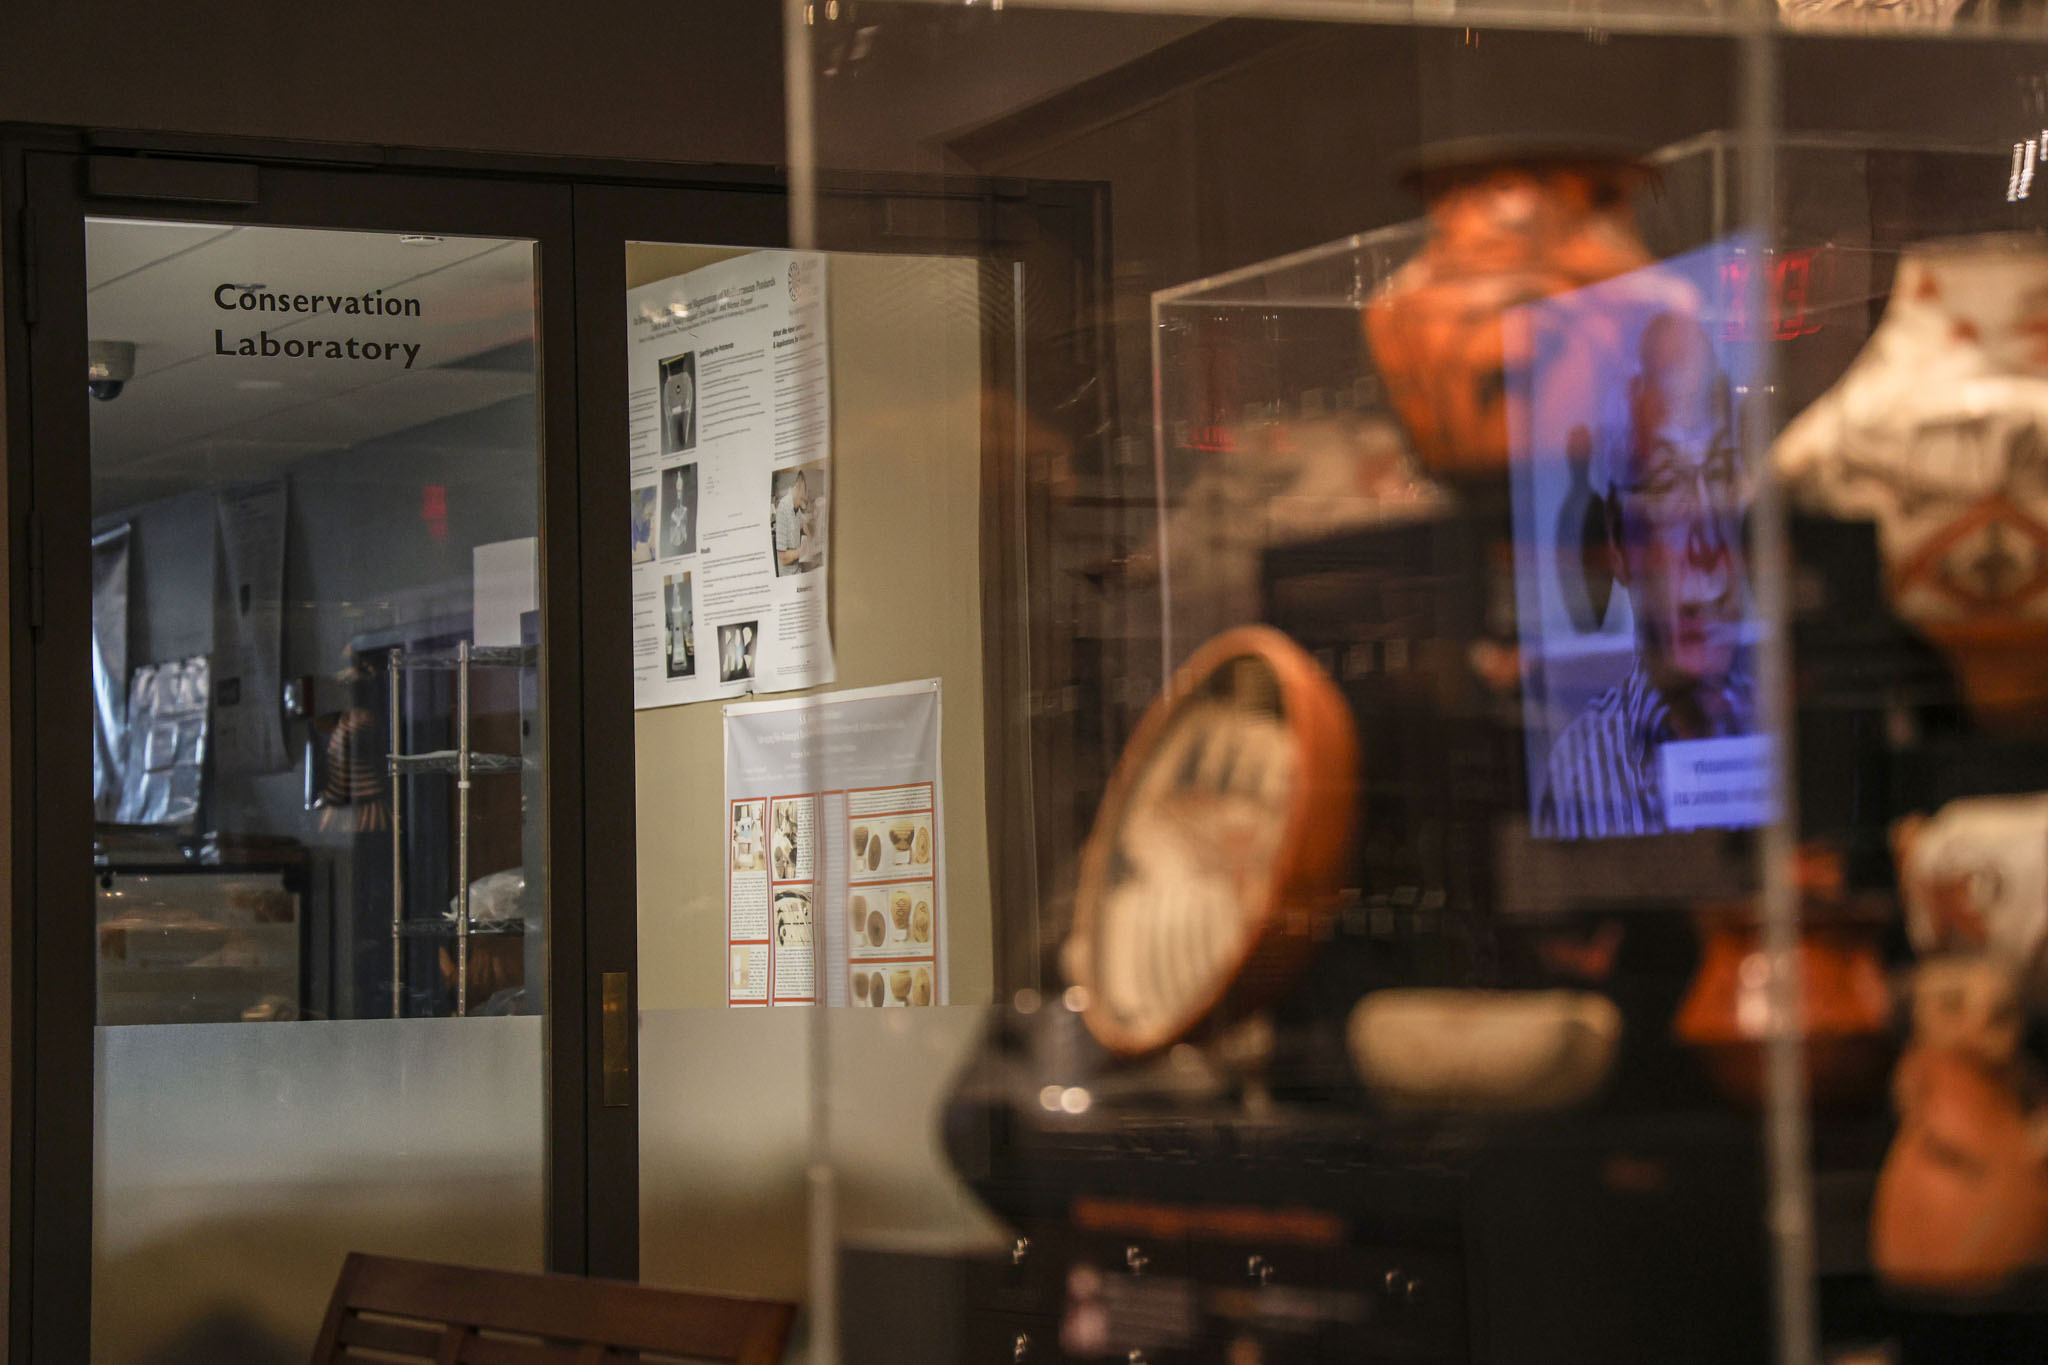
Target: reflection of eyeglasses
x,y
1670,487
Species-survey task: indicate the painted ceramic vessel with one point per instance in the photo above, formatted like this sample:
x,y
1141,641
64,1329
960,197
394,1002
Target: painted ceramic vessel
x,y
1507,227
1974,879
1215,858
1484,1052
1962,1201
1845,1000
1938,434
1848,1045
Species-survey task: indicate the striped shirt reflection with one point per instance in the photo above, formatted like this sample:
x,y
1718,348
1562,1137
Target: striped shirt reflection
x,y
1603,778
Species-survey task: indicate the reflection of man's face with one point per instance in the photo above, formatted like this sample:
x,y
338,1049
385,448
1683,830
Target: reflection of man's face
x,y
1679,523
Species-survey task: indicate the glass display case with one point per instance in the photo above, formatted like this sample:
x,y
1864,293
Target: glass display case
x,y
1515,683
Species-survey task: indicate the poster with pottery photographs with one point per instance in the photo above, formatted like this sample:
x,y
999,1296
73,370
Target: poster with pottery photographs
x,y
853,840
729,450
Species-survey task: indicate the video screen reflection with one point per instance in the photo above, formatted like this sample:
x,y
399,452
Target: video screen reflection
x,y
1636,608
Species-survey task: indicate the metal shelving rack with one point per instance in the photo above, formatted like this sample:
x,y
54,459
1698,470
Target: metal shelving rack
x,y
463,763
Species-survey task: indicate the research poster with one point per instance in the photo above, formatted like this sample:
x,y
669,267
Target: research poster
x,y
730,448
835,874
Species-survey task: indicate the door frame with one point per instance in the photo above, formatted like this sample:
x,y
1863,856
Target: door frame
x,y
582,211
607,217
51,183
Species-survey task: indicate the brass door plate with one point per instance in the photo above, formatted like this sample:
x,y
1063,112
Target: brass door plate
x,y
618,1067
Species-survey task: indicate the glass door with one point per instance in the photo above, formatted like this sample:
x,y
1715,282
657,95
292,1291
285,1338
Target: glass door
x,y
833,810
327,985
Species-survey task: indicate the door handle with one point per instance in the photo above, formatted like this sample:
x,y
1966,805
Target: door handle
x,y
618,1067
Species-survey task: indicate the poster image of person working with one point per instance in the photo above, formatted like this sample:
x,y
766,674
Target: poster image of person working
x,y
1673,500
794,521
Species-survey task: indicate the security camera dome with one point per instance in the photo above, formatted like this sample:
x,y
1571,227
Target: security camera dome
x,y
109,365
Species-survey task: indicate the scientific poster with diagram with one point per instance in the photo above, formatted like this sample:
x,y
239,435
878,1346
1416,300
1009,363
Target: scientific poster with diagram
x,y
730,446
835,879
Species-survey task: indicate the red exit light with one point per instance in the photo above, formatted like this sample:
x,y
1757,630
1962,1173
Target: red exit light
x,y
1792,279
434,509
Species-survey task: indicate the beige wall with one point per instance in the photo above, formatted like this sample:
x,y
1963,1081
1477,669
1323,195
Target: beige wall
x,y
906,604
727,1115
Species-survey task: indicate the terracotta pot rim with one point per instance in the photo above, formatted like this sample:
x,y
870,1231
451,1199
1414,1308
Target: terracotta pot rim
x,y
1301,889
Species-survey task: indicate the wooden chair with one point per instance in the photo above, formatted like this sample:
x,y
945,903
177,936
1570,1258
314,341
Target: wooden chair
x,y
390,1310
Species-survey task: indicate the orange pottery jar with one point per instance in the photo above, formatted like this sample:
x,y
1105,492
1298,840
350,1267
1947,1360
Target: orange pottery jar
x,y
1848,1043
1962,1202
1510,223
1845,997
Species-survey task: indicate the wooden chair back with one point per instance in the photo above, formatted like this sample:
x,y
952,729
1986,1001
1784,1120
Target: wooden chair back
x,y
390,1310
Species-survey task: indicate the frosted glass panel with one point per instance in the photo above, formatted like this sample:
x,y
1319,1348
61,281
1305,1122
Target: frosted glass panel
x,y
724,1142
726,1134
890,1075
236,1164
